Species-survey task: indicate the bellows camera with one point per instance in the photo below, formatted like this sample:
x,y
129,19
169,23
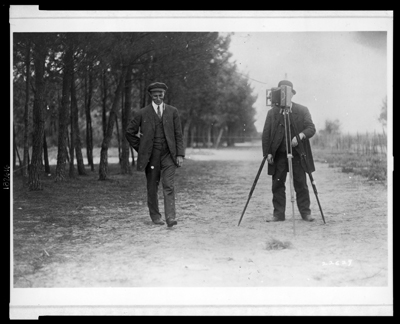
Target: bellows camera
x,y
281,96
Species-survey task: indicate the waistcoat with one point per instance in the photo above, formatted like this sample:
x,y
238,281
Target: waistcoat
x,y
159,135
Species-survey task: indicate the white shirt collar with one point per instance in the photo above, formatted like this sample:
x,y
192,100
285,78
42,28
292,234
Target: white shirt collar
x,y
155,107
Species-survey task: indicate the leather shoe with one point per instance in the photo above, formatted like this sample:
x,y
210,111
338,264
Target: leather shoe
x,y
308,218
158,222
275,219
171,222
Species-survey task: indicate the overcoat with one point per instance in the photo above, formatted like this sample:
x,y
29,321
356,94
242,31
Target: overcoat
x,y
273,133
143,122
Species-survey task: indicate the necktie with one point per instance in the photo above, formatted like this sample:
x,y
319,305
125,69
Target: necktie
x,y
158,112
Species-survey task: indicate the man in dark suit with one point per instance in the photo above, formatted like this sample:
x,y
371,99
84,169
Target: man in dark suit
x,y
155,133
274,148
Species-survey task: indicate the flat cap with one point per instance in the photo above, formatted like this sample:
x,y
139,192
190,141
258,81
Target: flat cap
x,y
157,86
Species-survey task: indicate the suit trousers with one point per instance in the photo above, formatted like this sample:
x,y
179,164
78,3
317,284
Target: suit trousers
x,y
161,167
299,181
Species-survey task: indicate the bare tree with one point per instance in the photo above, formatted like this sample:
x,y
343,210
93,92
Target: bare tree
x,y
71,141
45,154
26,110
89,130
76,138
63,114
126,115
38,114
104,101
103,167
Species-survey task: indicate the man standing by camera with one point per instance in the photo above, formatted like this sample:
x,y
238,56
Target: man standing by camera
x,y
274,148
155,133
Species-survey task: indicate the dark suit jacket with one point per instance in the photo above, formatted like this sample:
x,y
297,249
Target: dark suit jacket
x,y
143,121
272,136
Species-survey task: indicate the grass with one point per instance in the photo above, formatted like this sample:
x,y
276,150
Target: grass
x,y
48,220
371,166
361,154
275,244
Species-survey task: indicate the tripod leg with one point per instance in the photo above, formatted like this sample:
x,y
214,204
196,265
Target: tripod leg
x,y
304,158
292,199
316,195
253,187
289,156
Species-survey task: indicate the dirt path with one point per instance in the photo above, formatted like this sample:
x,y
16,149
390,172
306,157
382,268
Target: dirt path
x,y
87,233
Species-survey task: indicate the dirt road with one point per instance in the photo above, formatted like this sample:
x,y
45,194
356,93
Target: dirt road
x,y
88,233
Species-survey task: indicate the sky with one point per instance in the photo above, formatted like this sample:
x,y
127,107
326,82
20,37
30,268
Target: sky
x,y
337,75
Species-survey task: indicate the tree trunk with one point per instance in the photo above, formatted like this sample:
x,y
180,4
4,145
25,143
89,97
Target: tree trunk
x,y
63,115
186,133
230,137
19,157
200,135
46,155
133,156
203,132
143,92
126,116
71,143
89,130
193,136
118,138
41,165
26,112
38,116
209,143
16,153
104,100
117,126
66,149
218,139
76,135
103,167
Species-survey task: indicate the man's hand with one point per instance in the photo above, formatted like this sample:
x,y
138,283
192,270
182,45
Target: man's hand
x,y
294,140
270,159
179,161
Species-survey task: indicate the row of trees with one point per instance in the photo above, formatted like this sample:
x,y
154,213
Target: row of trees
x,y
76,90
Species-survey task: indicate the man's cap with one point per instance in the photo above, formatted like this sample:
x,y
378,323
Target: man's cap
x,y
287,83
157,86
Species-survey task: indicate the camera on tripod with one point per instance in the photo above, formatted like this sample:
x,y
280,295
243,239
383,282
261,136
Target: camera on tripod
x,y
281,96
